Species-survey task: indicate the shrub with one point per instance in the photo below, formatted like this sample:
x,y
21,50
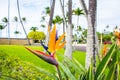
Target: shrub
x,y
36,35
12,67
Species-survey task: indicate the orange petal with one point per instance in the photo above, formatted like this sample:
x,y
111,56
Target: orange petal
x,y
52,40
60,39
104,50
60,45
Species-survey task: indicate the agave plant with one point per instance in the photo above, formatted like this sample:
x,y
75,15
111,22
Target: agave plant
x,y
55,44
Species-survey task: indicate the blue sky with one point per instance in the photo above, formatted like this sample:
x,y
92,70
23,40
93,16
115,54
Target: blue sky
x,y
108,13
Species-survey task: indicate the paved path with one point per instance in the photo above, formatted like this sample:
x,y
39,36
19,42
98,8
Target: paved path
x,y
80,47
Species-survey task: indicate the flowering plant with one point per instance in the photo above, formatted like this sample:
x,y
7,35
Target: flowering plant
x,y
54,44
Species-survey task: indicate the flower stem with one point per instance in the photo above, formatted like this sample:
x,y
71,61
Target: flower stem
x,y
59,74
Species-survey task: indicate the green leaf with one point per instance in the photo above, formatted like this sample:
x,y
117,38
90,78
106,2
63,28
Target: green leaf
x,y
67,71
82,68
49,74
90,74
104,62
74,66
111,73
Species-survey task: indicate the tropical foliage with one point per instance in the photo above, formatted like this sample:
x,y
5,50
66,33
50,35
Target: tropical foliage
x,y
13,68
54,45
107,68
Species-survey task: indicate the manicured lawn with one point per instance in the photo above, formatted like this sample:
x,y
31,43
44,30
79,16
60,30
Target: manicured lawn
x,y
25,55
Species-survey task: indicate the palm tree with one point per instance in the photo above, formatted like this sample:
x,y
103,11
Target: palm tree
x,y
21,21
68,51
16,21
63,13
91,32
50,20
57,19
91,28
43,26
34,28
115,27
6,21
42,20
16,33
1,28
24,19
47,10
78,12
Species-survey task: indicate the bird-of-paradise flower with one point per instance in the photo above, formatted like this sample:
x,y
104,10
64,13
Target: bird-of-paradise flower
x,y
54,44
117,34
104,50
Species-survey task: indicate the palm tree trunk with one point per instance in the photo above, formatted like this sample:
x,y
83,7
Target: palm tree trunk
x,y
92,44
64,19
68,51
22,22
8,23
63,13
92,25
1,33
50,21
82,2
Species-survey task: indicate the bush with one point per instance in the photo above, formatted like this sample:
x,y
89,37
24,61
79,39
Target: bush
x,y
36,35
12,67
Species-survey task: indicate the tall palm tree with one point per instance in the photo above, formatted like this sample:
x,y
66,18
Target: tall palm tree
x,y
57,19
50,20
34,28
43,26
91,32
92,26
63,13
24,19
47,10
21,21
78,12
68,51
16,21
16,33
1,28
6,21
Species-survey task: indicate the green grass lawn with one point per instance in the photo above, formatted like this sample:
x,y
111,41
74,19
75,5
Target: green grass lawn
x,y
25,55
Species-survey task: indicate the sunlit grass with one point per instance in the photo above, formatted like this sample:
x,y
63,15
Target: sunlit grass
x,y
25,55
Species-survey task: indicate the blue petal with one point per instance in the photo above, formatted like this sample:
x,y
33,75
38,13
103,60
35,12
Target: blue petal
x,y
45,47
56,35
